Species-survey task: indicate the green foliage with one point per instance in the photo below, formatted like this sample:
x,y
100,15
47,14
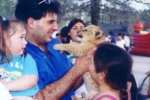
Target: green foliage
x,y
7,8
77,8
145,15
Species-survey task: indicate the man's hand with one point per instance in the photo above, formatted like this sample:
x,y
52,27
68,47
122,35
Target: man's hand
x,y
39,96
83,63
47,93
57,89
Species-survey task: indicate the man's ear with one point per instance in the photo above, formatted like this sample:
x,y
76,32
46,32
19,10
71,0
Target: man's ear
x,y
31,22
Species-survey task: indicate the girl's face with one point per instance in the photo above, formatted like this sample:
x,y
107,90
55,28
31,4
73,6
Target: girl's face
x,y
97,77
75,31
17,40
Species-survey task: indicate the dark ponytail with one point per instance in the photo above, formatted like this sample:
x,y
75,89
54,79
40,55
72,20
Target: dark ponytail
x,y
123,94
117,77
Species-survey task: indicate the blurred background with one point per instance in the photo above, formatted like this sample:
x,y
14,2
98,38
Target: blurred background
x,y
117,15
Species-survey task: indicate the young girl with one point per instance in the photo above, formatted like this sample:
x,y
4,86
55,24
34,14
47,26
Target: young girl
x,y
112,67
18,72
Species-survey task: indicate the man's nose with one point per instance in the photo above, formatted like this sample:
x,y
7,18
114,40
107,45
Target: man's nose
x,y
55,27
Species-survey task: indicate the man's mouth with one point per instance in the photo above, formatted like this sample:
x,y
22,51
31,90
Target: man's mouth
x,y
79,39
80,36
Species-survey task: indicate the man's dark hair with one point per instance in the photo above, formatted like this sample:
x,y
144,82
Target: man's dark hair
x,y
74,21
35,9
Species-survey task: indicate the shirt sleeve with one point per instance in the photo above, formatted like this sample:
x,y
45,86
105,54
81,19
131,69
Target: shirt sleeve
x,y
30,67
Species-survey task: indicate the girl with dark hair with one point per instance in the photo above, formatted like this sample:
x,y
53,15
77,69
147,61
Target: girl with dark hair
x,y
111,71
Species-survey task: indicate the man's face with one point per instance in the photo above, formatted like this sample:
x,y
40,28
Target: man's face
x,y
75,31
44,27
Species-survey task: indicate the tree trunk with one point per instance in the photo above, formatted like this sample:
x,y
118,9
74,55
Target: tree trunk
x,y
95,10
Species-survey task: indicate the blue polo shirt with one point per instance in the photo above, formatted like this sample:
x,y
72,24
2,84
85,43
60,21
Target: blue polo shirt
x,y
52,65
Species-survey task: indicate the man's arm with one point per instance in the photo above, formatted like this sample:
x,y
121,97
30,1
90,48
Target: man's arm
x,y
57,89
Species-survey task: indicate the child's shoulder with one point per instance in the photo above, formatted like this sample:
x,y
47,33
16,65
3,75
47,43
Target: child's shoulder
x,y
27,58
105,96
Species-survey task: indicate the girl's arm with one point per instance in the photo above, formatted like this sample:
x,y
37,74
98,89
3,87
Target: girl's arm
x,y
25,82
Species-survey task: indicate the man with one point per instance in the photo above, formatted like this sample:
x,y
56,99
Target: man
x,y
56,74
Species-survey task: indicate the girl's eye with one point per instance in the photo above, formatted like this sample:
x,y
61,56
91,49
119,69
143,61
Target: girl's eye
x,y
22,37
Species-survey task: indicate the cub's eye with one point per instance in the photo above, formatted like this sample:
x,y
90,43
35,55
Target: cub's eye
x,y
97,33
85,30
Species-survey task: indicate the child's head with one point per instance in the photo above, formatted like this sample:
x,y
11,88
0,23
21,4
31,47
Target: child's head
x,y
12,38
112,66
